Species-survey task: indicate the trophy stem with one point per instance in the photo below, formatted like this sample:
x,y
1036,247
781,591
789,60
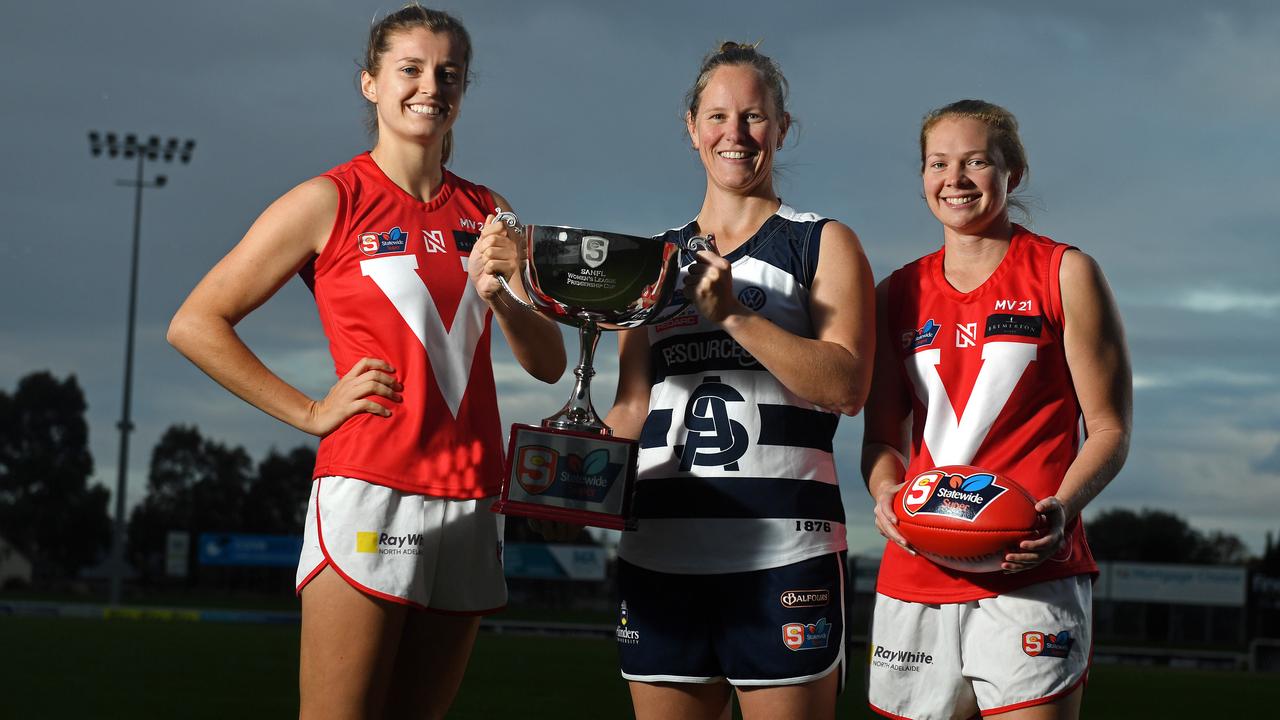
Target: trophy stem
x,y
577,414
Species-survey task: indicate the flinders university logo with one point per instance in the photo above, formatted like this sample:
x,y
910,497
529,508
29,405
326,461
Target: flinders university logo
x,y
626,635
387,544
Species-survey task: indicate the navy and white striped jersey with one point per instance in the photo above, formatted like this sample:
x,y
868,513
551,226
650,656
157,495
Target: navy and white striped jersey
x,y
736,471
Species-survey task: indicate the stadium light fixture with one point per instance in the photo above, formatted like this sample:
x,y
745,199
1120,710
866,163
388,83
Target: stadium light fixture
x,y
131,147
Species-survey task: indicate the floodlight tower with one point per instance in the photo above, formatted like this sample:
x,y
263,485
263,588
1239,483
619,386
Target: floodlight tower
x,y
129,147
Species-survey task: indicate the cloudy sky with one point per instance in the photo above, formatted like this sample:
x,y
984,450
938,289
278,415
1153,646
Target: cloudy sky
x,y
1150,127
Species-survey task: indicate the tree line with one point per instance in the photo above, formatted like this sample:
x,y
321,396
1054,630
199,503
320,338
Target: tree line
x,y
52,514
198,485
58,519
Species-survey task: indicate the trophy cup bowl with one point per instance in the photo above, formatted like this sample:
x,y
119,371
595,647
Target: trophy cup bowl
x,y
615,281
570,468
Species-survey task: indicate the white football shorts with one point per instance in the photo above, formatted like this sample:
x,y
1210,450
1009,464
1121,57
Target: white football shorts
x,y
989,656
427,552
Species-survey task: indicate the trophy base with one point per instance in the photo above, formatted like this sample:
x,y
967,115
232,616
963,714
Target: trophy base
x,y
567,476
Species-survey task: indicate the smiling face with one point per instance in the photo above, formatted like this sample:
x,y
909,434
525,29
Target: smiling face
x,y
418,84
966,181
736,129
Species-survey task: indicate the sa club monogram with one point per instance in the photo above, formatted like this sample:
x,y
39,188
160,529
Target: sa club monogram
x,y
713,438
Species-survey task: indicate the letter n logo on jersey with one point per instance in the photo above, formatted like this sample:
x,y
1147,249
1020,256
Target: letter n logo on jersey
x,y
433,241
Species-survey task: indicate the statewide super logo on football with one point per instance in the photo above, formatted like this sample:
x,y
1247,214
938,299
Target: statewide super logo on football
x,y
954,495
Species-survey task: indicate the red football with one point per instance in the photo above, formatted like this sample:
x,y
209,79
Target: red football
x,y
965,518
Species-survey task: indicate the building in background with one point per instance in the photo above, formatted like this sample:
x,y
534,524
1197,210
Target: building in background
x,y
15,568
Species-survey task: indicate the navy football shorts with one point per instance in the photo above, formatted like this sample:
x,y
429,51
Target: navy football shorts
x,y
780,626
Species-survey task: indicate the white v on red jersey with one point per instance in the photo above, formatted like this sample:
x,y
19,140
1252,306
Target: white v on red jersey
x,y
392,284
989,386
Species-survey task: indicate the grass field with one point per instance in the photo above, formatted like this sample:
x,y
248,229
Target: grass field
x,y
82,668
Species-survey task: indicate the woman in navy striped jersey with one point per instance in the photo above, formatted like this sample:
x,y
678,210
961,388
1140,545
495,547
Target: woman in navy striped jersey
x,y
734,582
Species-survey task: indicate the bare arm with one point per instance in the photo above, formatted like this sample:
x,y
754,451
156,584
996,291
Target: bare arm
x,y
535,340
282,240
885,436
1103,379
831,370
1099,362
631,402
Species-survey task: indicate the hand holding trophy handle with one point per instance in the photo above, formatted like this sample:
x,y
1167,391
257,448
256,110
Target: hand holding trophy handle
x,y
701,242
577,414
513,222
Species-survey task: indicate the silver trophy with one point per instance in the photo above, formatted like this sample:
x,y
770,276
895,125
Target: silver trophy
x,y
570,468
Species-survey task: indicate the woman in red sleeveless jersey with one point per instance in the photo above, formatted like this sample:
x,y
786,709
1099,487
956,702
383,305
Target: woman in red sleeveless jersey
x,y
401,554
990,352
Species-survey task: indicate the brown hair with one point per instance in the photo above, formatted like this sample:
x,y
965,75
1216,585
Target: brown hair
x,y
410,17
732,53
1003,129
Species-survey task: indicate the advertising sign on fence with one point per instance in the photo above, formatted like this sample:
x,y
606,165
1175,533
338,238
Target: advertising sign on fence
x,y
1222,585
249,550
554,562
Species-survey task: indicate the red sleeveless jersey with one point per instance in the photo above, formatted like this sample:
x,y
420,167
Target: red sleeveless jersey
x,y
392,284
987,375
